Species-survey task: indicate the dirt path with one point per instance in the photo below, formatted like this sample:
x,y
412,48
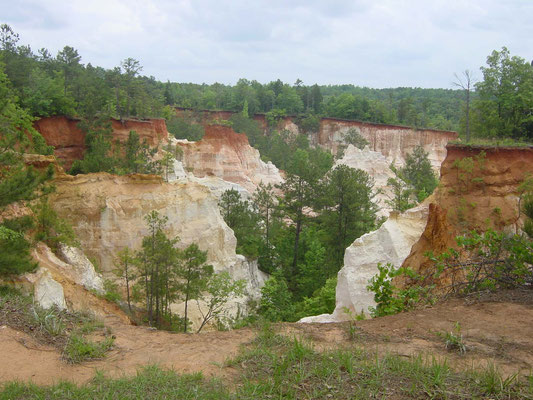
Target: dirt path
x,y
494,331
25,359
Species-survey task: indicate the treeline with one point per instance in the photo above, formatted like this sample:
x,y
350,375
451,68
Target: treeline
x,y
61,84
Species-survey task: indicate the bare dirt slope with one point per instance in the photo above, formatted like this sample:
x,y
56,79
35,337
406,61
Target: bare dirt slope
x,y
498,330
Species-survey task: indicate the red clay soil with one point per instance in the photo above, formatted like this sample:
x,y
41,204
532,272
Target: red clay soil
x,y
495,330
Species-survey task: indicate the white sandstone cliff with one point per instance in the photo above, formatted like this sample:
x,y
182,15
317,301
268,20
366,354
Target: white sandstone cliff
x,y
391,243
377,166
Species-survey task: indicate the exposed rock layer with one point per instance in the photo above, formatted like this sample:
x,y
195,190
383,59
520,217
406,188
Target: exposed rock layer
x,y
479,189
107,213
226,154
391,243
393,141
69,140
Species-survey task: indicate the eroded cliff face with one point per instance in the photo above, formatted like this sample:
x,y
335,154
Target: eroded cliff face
x,y
478,190
391,243
69,140
226,154
395,142
107,213
376,165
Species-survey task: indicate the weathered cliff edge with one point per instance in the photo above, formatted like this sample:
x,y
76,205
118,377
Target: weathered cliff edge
x,y
395,142
377,166
228,155
391,243
107,213
69,140
478,190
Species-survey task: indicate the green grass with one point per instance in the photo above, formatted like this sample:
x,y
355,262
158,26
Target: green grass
x,y
277,367
492,142
79,349
59,328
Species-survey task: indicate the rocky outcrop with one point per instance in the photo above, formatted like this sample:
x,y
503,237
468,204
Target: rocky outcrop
x,y
226,154
47,292
395,142
68,139
391,243
377,166
79,269
107,213
479,189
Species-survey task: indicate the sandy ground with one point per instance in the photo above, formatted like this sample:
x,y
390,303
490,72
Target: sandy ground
x,y
494,330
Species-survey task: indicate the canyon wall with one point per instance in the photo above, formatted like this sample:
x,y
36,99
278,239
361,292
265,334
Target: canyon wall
x,y
377,166
226,154
69,140
107,213
479,189
393,141
391,243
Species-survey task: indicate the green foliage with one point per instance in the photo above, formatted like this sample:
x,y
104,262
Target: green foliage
x,y
15,255
487,261
347,208
51,229
194,274
419,174
321,302
453,340
98,156
505,97
81,349
401,191
242,217
220,289
185,127
389,299
353,137
276,300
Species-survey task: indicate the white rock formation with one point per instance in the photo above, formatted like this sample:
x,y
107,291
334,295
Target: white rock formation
x,y
46,291
391,243
377,166
80,269
107,213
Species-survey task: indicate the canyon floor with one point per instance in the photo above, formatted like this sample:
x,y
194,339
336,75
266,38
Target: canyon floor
x,y
496,329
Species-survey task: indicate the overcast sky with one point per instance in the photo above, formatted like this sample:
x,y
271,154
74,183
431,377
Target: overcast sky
x,y
375,43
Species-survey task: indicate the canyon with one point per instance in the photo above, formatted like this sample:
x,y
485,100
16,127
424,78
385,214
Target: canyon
x,y
395,142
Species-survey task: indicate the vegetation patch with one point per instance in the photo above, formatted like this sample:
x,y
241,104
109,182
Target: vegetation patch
x,y
61,329
279,367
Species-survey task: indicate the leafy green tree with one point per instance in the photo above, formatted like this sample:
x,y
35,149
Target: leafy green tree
x,y
125,268
194,273
242,218
352,136
185,128
98,156
505,97
348,210
401,192
220,289
419,174
276,300
266,205
321,302
312,270
131,68
49,228
18,182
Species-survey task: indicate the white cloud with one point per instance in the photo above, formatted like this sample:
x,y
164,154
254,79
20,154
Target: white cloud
x,y
376,43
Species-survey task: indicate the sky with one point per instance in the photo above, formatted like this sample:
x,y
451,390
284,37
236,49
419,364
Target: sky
x,y
374,43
